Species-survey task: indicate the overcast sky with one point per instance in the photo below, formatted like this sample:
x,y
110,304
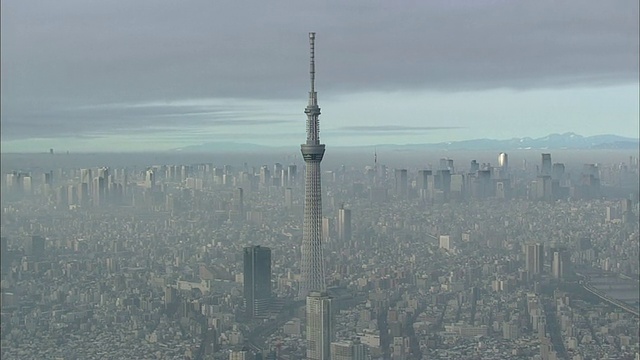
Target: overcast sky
x,y
85,75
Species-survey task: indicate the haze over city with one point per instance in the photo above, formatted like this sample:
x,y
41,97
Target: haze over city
x,y
320,181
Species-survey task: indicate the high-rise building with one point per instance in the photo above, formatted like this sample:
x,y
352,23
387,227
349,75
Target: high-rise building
x,y
319,326
47,179
265,176
422,180
401,183
444,164
238,202
360,351
546,165
292,175
288,198
326,223
422,183
27,185
103,172
99,191
626,211
444,180
11,181
557,265
344,224
150,179
85,176
458,188
503,161
544,188
62,198
257,280
475,166
312,262
342,350
278,174
557,171
534,259
348,350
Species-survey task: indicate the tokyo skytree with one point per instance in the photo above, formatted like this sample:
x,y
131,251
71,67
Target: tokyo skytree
x,y
312,263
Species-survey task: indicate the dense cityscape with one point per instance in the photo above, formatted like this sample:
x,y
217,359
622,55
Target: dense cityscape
x,y
535,260
172,218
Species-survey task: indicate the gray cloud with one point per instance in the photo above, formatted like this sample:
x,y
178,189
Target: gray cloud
x,y
72,53
115,118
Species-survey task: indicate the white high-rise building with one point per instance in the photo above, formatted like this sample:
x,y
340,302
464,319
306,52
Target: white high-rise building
x,y
558,265
344,224
503,161
319,326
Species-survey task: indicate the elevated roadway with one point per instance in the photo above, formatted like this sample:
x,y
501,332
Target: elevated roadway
x,y
622,305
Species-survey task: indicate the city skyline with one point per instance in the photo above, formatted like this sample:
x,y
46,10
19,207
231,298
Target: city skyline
x,y
80,77
519,255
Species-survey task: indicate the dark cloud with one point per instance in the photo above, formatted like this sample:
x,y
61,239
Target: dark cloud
x,y
63,54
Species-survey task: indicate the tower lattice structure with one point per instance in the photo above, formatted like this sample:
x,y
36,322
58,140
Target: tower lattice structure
x,y
312,263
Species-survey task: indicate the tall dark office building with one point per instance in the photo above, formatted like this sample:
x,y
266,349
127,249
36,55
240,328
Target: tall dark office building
x,y
558,171
292,175
444,180
626,210
475,166
546,165
238,201
423,179
257,280
401,183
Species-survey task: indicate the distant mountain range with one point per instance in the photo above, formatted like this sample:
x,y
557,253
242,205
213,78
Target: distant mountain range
x,y
552,142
